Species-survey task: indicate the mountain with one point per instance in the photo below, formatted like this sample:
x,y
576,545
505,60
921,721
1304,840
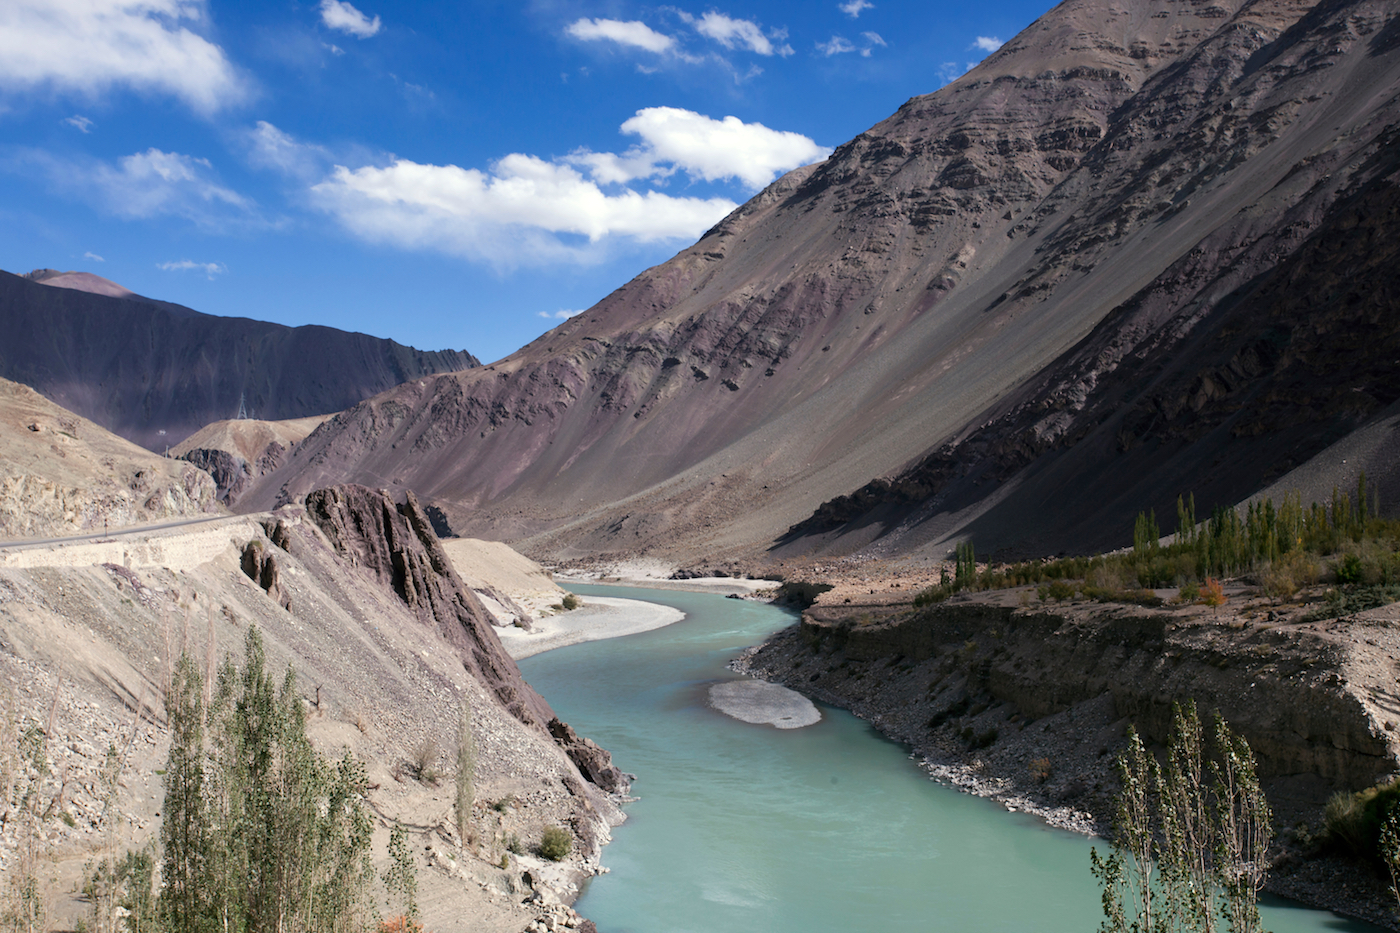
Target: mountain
x,y
155,372
63,475
1144,249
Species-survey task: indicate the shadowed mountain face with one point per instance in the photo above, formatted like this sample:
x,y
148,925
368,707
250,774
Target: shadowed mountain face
x,y
155,372
1108,265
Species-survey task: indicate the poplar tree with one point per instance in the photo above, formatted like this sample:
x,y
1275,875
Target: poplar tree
x,y
1189,837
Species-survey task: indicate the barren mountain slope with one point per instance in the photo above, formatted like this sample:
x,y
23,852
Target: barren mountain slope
x,y
236,452
154,372
61,474
1113,166
1272,339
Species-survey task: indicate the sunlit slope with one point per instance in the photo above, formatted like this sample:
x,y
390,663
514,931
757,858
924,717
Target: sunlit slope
x,y
864,312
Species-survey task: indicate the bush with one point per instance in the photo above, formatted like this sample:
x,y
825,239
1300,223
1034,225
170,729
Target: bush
x,y
424,762
571,602
556,844
1354,820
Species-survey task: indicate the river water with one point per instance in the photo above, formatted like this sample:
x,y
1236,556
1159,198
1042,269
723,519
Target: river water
x,y
831,827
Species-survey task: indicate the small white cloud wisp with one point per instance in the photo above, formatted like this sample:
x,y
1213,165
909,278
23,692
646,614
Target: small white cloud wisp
x,y
854,8
739,33
93,256
630,33
988,43
559,315
343,17
83,124
702,147
210,269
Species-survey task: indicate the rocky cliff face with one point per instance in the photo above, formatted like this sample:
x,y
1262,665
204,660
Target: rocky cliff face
x,y
396,544
1284,687
154,372
1094,222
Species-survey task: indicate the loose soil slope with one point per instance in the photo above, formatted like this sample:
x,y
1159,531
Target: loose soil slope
x,y
61,474
1079,206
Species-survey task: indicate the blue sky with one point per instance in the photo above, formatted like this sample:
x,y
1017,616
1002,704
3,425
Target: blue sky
x,y
451,175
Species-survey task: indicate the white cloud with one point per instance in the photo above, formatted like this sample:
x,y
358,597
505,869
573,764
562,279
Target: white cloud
x,y
738,33
631,33
145,184
332,48
210,269
269,147
82,123
840,45
854,7
561,314
94,257
92,46
515,213
836,46
951,71
702,147
343,17
987,43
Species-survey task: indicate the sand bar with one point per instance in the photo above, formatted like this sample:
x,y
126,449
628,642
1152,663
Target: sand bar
x,y
760,702
599,617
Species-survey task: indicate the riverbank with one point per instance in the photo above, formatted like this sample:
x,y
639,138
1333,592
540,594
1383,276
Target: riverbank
x,y
598,618
1027,704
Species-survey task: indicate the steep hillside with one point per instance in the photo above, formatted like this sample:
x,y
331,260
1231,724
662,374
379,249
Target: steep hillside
x,y
354,592
1109,201
155,372
63,475
236,452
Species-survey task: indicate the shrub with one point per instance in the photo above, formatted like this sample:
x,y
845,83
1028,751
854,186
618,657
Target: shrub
x,y
1354,820
423,764
1041,770
1189,592
571,602
556,843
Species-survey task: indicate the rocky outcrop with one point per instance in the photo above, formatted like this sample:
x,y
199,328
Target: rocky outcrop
x,y
260,566
154,372
396,544
60,474
231,473
592,761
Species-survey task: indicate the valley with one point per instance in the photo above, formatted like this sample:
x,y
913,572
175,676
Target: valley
x,y
1144,253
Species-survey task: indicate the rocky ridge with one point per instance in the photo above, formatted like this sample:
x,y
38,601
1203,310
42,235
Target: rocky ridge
x,y
155,372
61,474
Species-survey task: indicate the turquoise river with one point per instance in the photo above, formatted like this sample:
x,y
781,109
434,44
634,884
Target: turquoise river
x,y
829,828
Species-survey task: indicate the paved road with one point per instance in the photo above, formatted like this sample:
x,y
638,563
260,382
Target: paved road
x,y
112,535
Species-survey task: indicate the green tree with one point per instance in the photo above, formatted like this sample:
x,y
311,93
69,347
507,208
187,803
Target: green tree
x,y
261,832
1189,837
